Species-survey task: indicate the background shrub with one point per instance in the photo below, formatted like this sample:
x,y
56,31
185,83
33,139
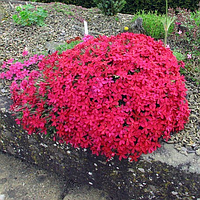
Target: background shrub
x,y
110,7
132,7
116,95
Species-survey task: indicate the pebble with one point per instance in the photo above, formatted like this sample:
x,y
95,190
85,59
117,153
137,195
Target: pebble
x,y
141,169
2,196
3,90
198,152
174,193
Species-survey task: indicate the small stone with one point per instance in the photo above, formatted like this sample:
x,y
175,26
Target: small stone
x,y
174,193
198,152
170,142
3,110
141,169
3,90
193,116
131,170
191,151
184,153
2,196
183,149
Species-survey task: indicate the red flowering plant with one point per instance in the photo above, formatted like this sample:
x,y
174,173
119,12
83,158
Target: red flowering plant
x,y
115,95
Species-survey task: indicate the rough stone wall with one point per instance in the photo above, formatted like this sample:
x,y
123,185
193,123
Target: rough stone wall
x,y
122,180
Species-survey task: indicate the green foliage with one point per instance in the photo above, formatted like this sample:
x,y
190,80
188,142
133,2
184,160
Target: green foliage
x,y
116,19
157,5
28,15
64,47
188,39
110,7
152,23
179,56
196,17
192,71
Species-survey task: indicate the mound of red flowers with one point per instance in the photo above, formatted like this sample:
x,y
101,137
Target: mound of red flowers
x,y
115,95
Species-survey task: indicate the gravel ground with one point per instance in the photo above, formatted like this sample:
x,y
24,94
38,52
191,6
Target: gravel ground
x,y
63,22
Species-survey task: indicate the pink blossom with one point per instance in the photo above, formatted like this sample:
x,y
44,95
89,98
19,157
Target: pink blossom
x,y
177,23
18,70
189,56
25,53
180,32
10,61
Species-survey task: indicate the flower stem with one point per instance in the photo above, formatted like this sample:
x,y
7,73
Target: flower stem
x,y
166,24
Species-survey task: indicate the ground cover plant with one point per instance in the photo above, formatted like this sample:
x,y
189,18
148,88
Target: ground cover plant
x,y
118,96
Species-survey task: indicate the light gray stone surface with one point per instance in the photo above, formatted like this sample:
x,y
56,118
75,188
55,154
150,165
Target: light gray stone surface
x,y
21,180
169,155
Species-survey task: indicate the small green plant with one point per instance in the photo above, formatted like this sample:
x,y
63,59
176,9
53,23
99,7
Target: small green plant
x,y
28,15
65,46
110,7
196,17
116,19
152,23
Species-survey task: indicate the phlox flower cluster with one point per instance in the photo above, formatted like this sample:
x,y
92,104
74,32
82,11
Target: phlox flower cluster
x,y
19,70
117,96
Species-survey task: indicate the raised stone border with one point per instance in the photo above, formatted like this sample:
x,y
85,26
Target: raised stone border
x,y
165,174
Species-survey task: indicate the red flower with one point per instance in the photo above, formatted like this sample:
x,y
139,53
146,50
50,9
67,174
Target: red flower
x,y
116,95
